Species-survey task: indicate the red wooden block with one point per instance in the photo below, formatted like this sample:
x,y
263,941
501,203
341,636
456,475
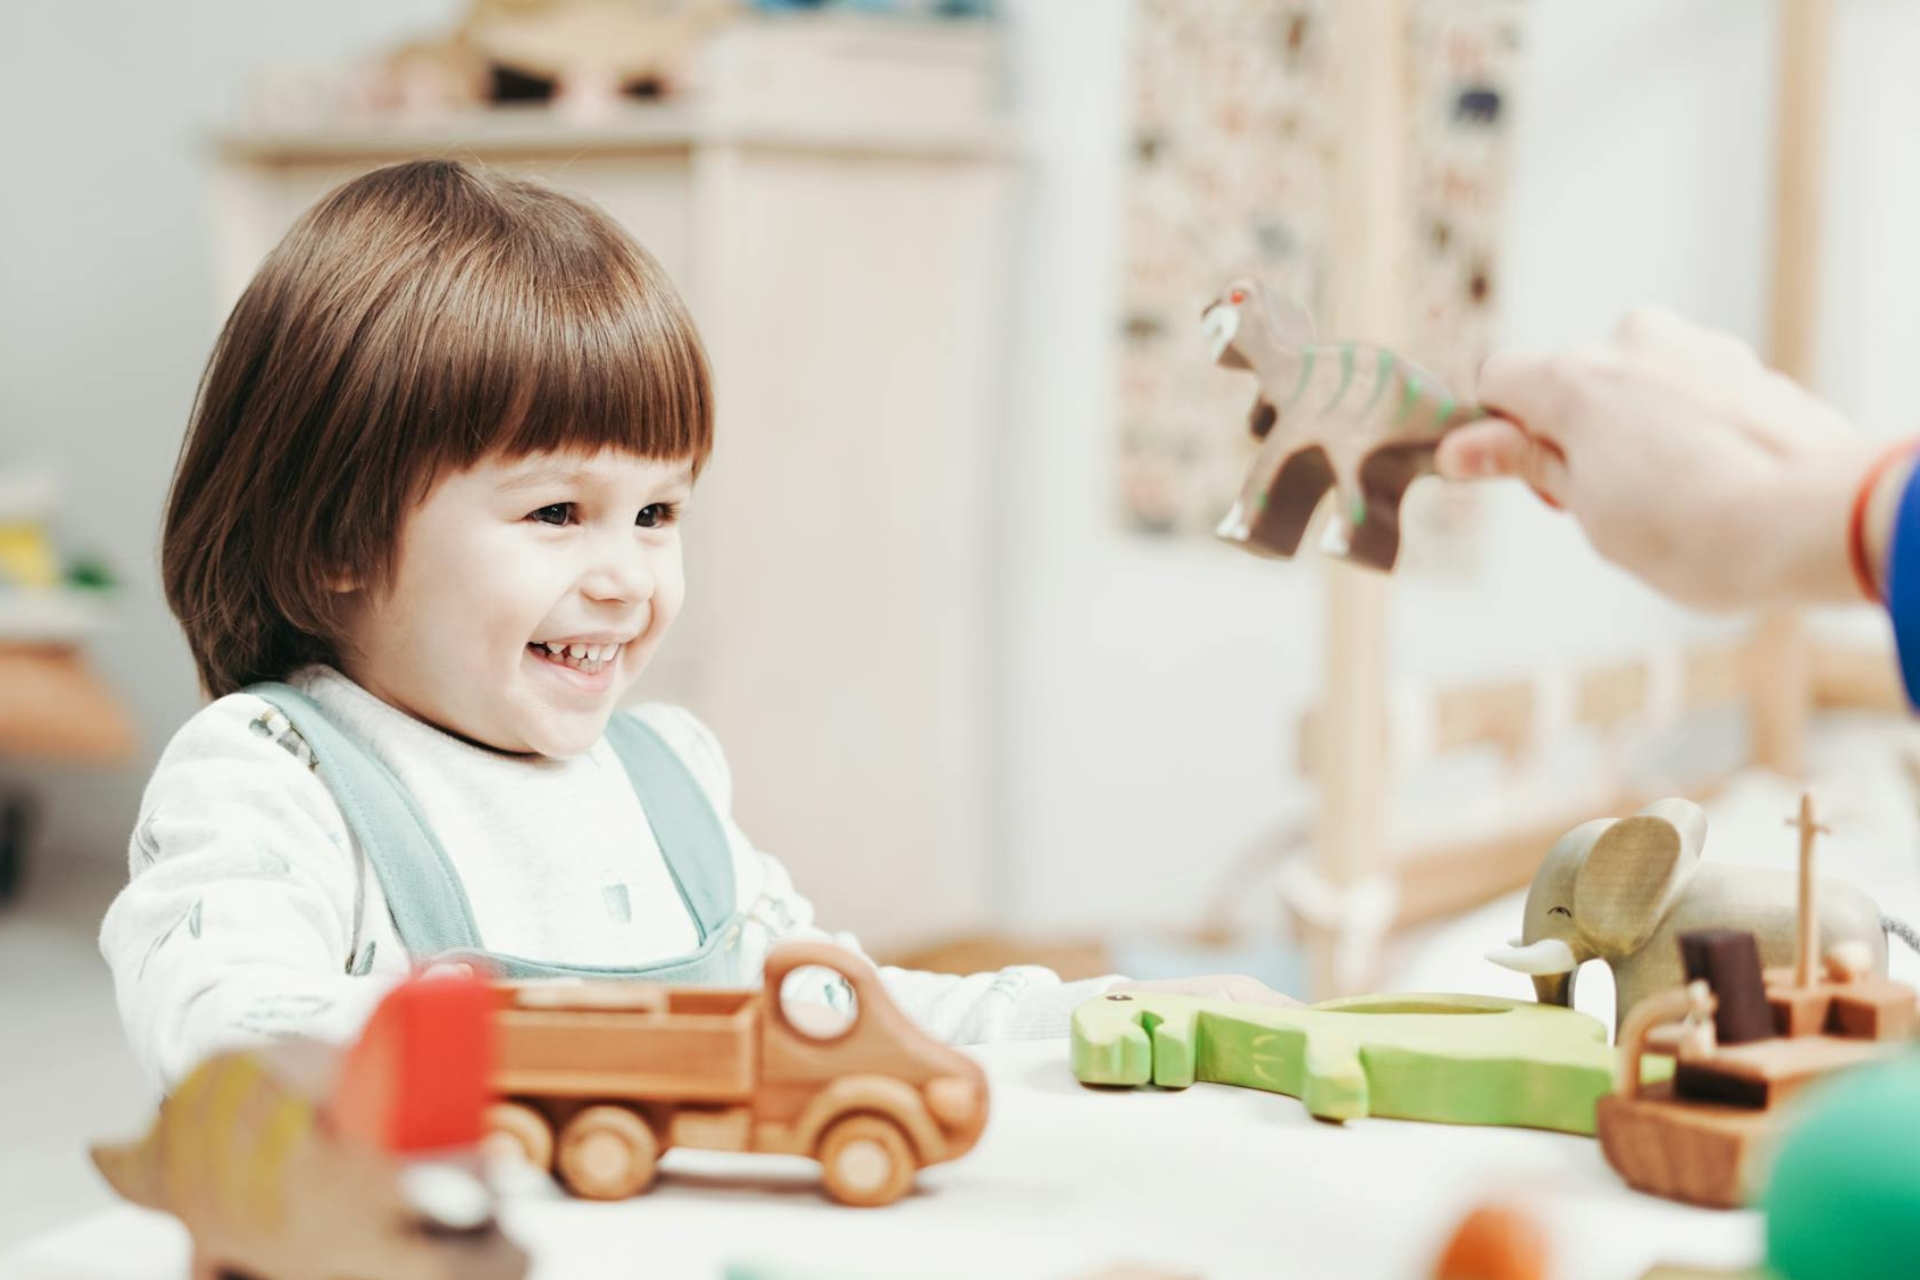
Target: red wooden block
x,y
420,1077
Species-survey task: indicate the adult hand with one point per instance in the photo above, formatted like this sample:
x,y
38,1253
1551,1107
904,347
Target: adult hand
x,y
1686,461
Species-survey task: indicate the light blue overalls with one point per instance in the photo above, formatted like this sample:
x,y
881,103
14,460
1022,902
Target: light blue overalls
x,y
429,903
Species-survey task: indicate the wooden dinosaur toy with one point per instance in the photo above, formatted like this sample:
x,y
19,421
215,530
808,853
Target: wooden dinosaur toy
x,y
1346,416
303,1161
1456,1059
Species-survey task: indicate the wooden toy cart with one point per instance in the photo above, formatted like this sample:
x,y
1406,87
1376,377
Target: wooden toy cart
x,y
1744,1044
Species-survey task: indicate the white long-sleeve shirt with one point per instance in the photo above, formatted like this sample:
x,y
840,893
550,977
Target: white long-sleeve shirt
x,y
253,913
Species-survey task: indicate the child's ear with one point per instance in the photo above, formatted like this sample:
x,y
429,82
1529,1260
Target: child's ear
x,y
342,583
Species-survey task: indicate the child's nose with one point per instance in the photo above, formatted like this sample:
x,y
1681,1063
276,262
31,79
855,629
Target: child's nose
x,y
621,573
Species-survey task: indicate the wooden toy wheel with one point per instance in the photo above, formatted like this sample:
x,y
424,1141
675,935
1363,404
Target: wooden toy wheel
x,y
607,1153
520,1131
867,1161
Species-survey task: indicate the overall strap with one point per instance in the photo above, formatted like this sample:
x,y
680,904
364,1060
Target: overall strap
x,y
689,833
429,904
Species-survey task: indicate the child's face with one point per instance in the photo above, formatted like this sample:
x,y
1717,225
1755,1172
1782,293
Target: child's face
x,y
503,566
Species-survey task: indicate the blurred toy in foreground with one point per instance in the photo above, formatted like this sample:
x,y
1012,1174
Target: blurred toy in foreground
x,y
1349,417
1745,1042
1457,1059
301,1161
600,1078
1495,1242
1623,891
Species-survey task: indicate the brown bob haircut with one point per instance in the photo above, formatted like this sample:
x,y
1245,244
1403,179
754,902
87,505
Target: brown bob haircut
x,y
416,321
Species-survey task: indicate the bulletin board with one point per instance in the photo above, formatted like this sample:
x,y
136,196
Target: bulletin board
x,y
1231,150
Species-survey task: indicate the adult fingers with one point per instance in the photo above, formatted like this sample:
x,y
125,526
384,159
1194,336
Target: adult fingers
x,y
1486,450
1495,448
1672,342
1535,391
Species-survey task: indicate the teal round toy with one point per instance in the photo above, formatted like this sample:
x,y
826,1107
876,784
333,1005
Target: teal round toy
x,y
1843,1201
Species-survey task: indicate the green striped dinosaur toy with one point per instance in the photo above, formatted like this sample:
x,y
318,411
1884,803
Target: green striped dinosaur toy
x,y
1346,416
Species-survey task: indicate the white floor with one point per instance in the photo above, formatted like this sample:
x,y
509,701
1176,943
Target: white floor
x,y
66,1076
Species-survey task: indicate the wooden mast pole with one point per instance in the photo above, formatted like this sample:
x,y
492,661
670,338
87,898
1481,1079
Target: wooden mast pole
x,y
1367,41
1781,669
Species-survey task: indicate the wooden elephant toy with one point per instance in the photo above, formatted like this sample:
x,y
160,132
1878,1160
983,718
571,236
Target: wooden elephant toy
x,y
1623,891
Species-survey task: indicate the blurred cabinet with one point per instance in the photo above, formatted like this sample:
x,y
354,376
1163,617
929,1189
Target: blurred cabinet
x,y
833,206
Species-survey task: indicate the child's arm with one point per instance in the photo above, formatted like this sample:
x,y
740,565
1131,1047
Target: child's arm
x,y
1021,1002
1686,462
1018,1003
237,924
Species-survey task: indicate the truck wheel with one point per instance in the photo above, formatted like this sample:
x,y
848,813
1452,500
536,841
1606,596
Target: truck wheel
x,y
607,1153
518,1129
867,1161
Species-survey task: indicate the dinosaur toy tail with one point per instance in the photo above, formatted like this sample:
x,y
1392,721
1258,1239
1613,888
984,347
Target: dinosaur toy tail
x,y
132,1170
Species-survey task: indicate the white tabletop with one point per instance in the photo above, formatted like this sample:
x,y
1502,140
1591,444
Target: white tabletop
x,y
1212,1181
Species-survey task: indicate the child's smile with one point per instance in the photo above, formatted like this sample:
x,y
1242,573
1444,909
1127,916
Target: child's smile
x,y
528,596
588,661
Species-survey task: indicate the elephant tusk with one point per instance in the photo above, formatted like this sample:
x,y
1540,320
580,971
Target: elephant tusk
x,y
1547,956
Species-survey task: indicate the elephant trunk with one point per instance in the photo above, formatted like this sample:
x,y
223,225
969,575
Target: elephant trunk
x,y
1554,988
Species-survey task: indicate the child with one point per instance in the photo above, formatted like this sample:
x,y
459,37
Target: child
x,y
422,539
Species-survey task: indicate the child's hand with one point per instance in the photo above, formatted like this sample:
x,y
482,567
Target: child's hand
x,y
454,969
1229,986
1684,459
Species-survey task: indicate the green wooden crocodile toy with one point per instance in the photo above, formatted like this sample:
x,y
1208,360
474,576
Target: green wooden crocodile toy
x,y
1455,1059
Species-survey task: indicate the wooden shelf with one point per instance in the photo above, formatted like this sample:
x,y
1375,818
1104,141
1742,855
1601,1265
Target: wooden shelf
x,y
640,128
53,707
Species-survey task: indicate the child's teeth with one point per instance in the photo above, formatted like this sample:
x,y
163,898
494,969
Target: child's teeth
x,y
592,655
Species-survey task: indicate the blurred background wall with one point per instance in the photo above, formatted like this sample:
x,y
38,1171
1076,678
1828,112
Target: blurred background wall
x,y
1142,692
107,304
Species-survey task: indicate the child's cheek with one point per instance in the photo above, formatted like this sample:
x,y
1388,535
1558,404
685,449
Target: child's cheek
x,y
670,589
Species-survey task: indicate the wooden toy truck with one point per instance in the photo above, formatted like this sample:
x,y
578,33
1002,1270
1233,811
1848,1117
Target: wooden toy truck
x,y
597,1080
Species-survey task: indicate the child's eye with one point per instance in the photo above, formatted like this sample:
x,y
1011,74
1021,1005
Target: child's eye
x,y
553,513
657,515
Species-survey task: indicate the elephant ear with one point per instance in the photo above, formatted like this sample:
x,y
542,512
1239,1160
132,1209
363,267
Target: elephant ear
x,y
1633,872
